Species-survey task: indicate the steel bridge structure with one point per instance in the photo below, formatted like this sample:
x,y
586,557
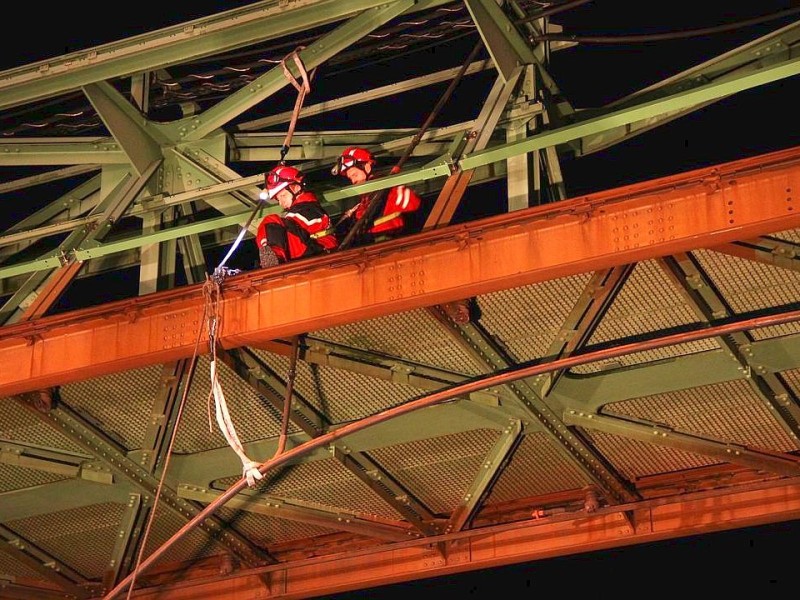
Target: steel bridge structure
x,y
530,373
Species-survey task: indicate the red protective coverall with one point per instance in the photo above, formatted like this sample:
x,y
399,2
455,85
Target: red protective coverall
x,y
399,199
303,230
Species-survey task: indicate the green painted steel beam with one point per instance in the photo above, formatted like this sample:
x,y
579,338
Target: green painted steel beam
x,y
202,468
312,514
659,435
747,58
47,219
490,469
123,120
647,110
506,46
53,461
198,126
393,89
164,235
778,354
441,168
389,368
592,392
28,503
404,500
87,151
133,521
124,190
192,40
31,266
41,178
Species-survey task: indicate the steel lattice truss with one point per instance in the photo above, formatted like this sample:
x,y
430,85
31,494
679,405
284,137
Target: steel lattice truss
x,y
553,373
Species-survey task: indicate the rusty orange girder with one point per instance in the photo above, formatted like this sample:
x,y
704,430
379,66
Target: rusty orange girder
x,y
535,539
698,209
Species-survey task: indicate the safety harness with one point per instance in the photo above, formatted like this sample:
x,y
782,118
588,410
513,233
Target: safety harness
x,y
213,286
212,292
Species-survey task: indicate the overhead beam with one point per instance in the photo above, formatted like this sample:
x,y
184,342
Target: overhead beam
x,y
625,116
701,208
58,462
192,40
393,89
28,503
748,58
506,46
196,127
124,121
86,152
486,477
40,178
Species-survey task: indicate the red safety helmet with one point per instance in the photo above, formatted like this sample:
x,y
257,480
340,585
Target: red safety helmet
x,y
284,174
352,157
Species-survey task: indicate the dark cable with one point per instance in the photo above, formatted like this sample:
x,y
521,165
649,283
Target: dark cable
x,y
411,51
376,197
549,12
657,37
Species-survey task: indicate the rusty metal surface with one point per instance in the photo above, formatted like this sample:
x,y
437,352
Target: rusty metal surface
x,y
674,214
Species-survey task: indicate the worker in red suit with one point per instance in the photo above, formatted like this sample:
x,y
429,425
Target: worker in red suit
x,y
357,165
303,229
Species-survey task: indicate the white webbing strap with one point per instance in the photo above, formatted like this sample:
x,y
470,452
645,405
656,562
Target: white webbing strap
x,y
249,467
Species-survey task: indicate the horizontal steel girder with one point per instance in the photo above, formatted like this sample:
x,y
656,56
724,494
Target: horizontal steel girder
x,y
559,534
698,209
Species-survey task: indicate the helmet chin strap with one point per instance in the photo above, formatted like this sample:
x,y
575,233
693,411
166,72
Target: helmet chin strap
x,y
362,166
293,193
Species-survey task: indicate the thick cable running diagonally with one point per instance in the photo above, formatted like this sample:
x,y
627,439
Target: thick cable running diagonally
x,y
521,371
287,400
167,455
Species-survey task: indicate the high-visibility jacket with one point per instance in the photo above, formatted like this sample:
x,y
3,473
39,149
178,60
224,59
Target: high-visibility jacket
x,y
303,230
399,199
